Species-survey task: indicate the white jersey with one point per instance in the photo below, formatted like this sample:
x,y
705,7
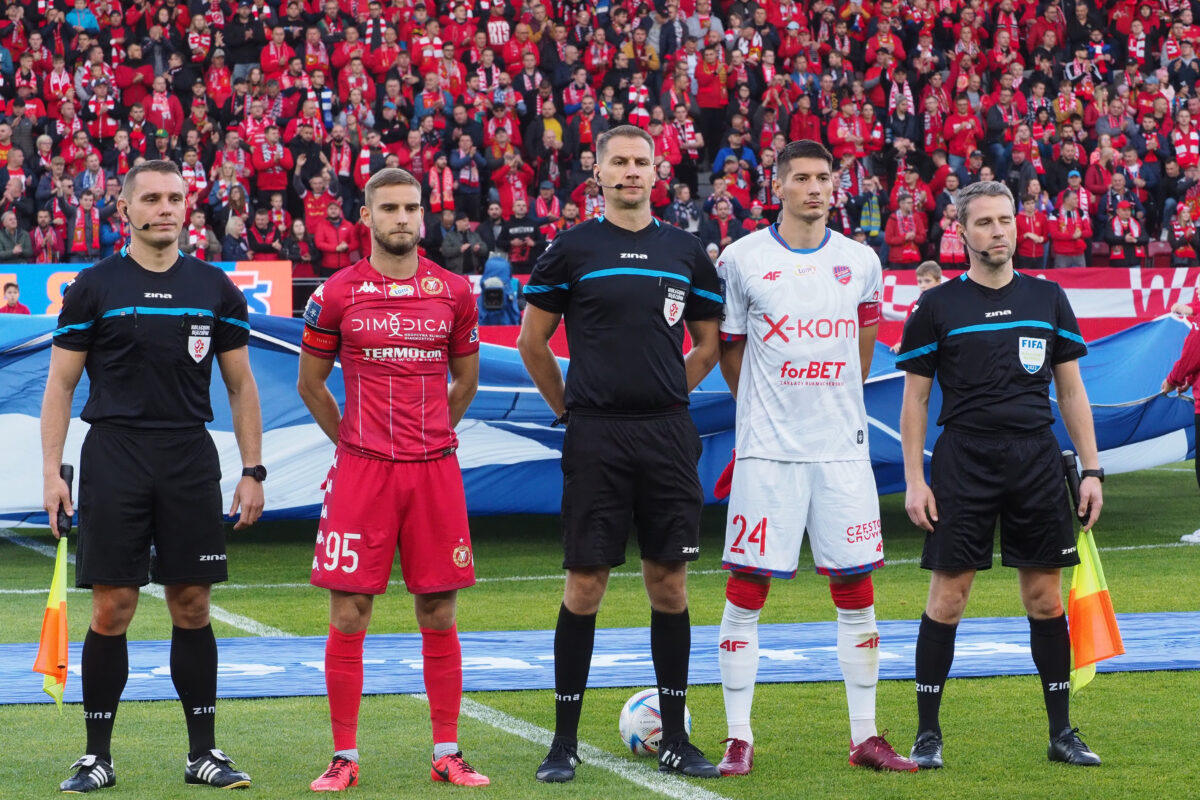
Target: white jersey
x,y
800,394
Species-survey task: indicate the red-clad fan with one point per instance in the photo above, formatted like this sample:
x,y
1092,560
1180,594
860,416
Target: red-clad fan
x,y
400,326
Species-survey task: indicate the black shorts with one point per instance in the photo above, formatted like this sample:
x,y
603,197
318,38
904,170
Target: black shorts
x,y
143,487
630,469
1018,478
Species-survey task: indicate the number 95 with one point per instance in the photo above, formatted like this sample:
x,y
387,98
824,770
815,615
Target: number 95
x,y
337,547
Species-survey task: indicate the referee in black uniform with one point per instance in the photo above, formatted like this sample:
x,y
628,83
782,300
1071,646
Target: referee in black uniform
x,y
995,338
147,323
627,285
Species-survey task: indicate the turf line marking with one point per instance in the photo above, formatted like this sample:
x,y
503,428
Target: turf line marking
x,y
246,624
667,785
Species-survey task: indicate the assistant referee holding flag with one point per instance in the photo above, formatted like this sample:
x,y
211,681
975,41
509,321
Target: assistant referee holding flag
x,y
627,285
147,323
995,338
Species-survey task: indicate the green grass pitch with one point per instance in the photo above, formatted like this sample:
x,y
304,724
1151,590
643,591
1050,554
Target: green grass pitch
x,y
1142,724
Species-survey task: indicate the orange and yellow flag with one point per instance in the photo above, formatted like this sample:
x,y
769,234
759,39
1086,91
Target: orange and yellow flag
x,y
52,648
1093,623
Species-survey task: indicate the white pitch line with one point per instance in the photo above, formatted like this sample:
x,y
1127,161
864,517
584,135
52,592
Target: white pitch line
x,y
238,621
666,785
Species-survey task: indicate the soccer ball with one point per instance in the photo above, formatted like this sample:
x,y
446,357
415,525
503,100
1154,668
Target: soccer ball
x,y
641,723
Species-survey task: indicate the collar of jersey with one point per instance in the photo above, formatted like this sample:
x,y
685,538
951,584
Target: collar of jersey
x,y
654,223
774,229
124,252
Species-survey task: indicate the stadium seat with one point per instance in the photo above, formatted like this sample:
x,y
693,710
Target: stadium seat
x,y
1159,255
1098,257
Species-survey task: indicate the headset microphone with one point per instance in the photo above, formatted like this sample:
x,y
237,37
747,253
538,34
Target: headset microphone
x,y
617,186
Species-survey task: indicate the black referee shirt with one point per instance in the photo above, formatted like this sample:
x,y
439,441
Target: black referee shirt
x,y
150,338
624,296
992,350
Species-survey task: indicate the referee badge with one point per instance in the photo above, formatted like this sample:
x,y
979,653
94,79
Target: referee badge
x,y
1032,352
673,304
198,343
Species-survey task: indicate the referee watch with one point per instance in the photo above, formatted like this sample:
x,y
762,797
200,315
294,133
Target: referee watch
x,y
1098,474
258,472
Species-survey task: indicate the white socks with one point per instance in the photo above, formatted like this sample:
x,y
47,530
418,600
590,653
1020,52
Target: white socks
x,y
442,749
738,657
858,656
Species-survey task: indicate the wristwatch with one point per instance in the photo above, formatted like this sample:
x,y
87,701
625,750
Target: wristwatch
x,y
1098,474
259,473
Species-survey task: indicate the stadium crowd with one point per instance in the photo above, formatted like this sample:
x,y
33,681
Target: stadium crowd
x,y
279,112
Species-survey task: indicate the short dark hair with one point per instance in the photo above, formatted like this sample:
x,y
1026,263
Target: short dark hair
x,y
624,132
10,284
161,166
389,176
801,148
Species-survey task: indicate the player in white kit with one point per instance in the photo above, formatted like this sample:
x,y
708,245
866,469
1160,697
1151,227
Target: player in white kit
x,y
801,314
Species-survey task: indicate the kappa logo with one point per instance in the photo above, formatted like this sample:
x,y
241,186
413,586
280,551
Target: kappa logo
x,y
320,292
368,288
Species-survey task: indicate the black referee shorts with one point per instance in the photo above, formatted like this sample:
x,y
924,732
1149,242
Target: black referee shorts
x,y
1016,478
142,487
630,469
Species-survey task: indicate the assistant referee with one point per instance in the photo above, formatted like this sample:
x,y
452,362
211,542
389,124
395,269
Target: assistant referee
x,y
627,285
995,338
147,323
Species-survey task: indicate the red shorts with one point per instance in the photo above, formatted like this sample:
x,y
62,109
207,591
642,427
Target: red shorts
x,y
372,507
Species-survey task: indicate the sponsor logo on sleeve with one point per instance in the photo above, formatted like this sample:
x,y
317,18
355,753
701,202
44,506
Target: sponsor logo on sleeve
x,y
312,311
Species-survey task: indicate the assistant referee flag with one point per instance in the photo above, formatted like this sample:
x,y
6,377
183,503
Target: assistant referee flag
x,y
52,648
1093,623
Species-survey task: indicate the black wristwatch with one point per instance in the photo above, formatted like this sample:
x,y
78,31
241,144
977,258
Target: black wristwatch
x,y
1098,474
259,473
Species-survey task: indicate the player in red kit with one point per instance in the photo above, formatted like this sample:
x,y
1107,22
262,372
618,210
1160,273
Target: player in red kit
x,y
397,324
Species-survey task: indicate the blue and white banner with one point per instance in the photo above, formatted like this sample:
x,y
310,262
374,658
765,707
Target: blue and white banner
x,y
509,660
510,455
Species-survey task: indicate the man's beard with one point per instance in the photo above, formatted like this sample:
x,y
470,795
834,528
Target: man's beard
x,y
394,249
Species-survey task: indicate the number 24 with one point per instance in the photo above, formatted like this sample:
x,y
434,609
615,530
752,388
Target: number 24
x,y
758,536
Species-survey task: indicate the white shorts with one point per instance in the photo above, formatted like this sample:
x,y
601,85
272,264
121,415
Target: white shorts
x,y
772,502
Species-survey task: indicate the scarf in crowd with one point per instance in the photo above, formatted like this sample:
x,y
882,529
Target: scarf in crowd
x,y
901,92
1122,228
80,243
871,220
340,158
1183,235
441,190
198,240
45,244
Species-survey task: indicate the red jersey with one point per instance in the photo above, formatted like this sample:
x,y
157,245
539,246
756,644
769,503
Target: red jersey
x,y
394,339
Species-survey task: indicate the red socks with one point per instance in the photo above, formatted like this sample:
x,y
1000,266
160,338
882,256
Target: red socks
x,y
344,684
443,680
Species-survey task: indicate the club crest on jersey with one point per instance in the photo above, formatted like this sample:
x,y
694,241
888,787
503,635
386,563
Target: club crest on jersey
x,y
673,304
399,290
368,288
199,341
1032,352
462,556
431,285
842,273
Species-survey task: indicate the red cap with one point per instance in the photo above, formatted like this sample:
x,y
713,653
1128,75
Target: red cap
x,y
1124,204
